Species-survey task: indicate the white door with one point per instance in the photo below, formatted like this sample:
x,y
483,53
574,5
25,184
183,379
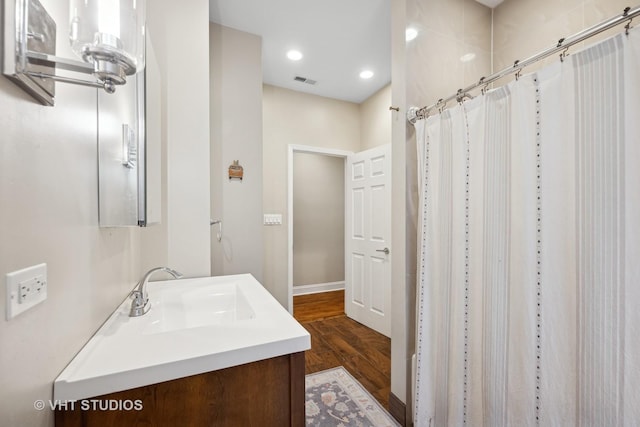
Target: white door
x,y
368,238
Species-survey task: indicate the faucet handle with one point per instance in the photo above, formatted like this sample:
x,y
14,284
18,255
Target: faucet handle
x,y
136,295
139,305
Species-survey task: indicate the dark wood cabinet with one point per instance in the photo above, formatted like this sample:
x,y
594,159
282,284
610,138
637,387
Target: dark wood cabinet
x,y
265,393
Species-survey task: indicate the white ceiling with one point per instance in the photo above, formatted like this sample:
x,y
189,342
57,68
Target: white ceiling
x,y
338,38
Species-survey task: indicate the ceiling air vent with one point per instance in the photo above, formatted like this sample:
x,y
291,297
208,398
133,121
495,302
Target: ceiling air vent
x,y
304,80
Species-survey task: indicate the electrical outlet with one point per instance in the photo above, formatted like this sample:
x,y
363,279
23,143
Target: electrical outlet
x,y
25,289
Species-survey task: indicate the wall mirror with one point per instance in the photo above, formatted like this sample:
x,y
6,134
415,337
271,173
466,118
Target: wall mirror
x,y
129,150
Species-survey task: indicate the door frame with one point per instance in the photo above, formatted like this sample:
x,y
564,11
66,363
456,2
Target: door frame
x,y
291,150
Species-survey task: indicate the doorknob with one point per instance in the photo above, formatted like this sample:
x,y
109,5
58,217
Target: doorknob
x,y
385,250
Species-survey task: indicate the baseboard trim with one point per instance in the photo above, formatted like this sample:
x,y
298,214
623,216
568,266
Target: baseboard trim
x,y
317,288
398,409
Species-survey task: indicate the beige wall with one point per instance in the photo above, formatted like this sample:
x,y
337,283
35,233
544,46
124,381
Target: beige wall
x,y
318,229
49,211
185,130
402,300
375,119
523,28
296,118
236,134
318,219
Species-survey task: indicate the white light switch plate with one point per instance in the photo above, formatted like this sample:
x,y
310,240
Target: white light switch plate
x,y
272,219
25,289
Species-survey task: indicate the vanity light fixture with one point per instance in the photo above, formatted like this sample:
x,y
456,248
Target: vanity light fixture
x,y
108,35
366,74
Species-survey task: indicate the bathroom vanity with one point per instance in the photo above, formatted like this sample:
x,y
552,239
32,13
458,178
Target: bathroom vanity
x,y
215,351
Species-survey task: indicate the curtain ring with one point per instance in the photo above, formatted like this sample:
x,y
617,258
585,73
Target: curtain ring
x,y
563,55
485,86
625,12
515,65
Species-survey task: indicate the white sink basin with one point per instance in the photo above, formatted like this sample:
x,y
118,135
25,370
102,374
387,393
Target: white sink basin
x,y
200,304
193,326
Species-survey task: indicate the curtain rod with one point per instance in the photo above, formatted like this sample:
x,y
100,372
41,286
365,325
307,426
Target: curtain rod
x,y
563,45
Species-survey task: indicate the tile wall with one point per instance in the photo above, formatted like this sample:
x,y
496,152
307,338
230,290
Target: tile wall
x,y
447,31
522,28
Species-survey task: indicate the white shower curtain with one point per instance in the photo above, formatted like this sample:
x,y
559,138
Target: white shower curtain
x,y
529,264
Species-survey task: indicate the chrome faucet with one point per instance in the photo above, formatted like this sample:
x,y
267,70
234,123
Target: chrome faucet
x,y
140,304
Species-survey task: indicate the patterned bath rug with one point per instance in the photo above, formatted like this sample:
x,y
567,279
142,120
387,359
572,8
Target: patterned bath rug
x,y
335,399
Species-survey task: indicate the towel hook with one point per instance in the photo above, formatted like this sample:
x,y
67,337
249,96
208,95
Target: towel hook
x,y
219,233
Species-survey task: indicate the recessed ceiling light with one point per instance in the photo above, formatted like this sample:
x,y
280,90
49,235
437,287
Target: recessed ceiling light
x,y
411,34
366,74
294,55
468,57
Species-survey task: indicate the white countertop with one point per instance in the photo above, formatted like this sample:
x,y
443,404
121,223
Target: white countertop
x,y
129,352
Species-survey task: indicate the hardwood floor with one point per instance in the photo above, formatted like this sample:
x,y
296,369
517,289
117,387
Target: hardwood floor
x,y
307,308
337,340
